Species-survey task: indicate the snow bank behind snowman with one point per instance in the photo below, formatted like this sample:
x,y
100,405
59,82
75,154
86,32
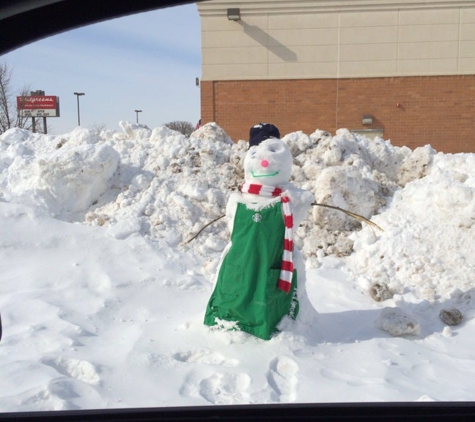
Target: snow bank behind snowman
x,y
164,186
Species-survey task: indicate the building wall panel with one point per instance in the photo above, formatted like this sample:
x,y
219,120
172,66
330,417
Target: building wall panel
x,y
307,65
429,34
411,111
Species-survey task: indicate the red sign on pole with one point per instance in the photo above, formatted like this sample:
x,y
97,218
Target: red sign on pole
x,y
38,106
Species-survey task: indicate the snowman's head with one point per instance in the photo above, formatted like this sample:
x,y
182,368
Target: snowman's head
x,y
268,163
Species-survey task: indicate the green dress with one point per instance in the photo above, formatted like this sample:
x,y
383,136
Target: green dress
x,y
246,291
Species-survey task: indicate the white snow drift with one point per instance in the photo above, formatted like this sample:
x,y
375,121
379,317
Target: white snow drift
x,y
102,296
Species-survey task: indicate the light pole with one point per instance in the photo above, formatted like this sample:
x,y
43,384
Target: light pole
x,y
137,115
78,94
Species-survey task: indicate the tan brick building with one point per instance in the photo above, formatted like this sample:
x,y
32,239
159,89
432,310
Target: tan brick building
x,y
403,69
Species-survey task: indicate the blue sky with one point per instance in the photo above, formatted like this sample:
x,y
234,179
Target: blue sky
x,y
147,61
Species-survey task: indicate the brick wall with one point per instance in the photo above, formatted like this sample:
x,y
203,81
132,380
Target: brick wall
x,y
412,111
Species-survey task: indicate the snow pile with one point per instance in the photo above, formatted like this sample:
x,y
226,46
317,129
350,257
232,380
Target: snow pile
x,y
162,185
168,186
427,246
39,172
100,312
354,173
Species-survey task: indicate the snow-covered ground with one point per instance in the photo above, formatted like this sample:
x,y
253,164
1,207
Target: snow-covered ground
x,y
102,293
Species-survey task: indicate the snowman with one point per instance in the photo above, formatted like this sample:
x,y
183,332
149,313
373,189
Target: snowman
x,y
260,281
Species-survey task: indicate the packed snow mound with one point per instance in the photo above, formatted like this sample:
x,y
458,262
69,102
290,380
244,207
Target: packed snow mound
x,y
69,177
427,245
352,172
159,184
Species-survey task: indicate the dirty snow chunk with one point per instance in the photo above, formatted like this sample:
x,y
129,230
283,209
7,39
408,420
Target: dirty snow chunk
x,y
344,187
451,316
416,165
319,134
212,132
380,292
397,322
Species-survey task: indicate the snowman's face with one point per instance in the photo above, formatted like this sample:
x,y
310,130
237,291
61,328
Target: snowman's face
x,y
269,163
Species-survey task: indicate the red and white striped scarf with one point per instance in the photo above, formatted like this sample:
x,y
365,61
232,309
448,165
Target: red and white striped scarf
x,y
287,268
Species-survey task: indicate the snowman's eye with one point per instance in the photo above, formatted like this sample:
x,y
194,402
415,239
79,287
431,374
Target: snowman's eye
x,y
275,148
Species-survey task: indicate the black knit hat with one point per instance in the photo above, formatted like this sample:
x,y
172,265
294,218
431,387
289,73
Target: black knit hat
x,y
261,132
